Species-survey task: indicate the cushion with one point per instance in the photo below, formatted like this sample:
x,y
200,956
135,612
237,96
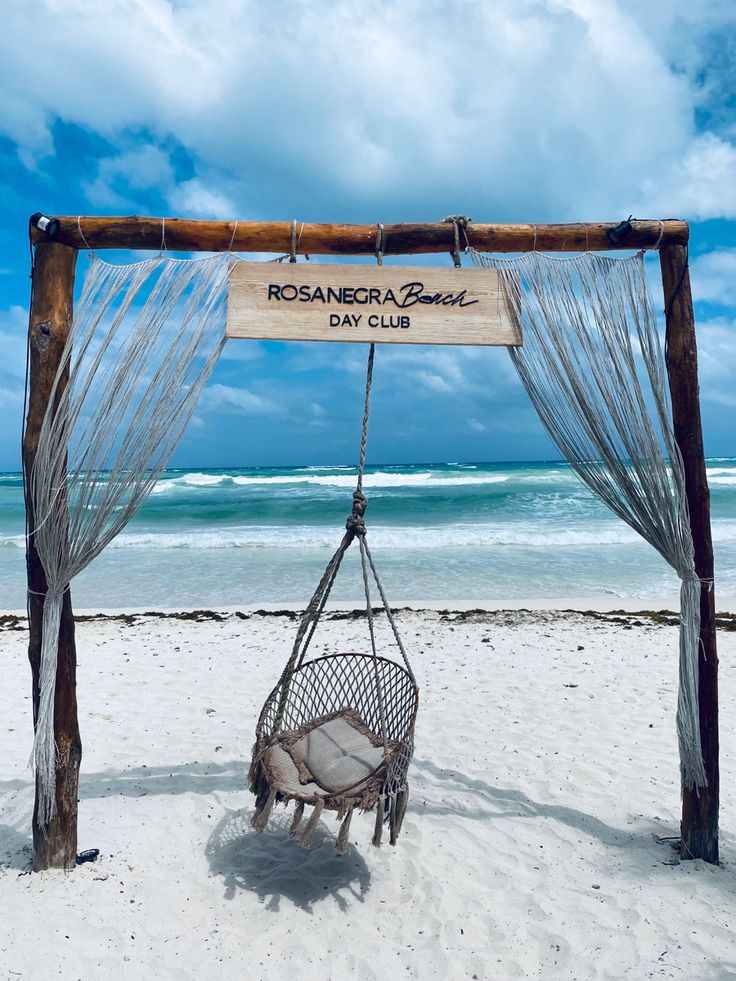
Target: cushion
x,y
336,753
285,774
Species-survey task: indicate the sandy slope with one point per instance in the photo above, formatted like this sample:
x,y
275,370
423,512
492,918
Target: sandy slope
x,y
545,771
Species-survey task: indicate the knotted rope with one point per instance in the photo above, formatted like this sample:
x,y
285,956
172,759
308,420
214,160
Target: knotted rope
x,y
458,222
354,528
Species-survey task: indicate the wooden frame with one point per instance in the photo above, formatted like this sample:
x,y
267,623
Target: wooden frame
x,y
50,316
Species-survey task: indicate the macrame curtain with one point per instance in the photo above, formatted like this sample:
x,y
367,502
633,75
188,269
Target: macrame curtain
x,y
143,342
589,327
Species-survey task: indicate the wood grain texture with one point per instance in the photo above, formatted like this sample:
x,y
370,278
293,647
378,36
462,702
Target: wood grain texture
x,y
699,809
50,317
370,304
181,234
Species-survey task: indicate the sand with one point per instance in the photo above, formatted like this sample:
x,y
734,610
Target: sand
x,y
544,789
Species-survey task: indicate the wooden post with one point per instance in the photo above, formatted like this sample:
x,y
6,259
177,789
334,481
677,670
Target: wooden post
x,y
50,317
699,827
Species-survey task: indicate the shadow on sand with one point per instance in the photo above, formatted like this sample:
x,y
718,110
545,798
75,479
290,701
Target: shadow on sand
x,y
486,802
275,868
446,791
16,848
139,781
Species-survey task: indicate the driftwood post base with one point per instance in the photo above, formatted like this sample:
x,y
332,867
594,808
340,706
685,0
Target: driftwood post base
x,y
55,847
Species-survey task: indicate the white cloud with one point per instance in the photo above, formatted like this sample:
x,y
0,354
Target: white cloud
x,y
242,350
10,398
228,398
462,372
702,182
194,198
436,383
713,277
13,343
519,109
118,177
716,358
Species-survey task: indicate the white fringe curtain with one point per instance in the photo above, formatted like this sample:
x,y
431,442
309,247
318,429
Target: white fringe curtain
x,y
143,342
586,321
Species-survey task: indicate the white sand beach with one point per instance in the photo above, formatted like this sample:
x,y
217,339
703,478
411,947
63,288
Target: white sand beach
x,y
543,791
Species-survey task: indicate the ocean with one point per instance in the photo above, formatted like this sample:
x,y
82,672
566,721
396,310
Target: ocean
x,y
442,532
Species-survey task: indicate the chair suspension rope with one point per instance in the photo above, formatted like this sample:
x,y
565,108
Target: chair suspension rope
x,y
389,613
355,527
371,631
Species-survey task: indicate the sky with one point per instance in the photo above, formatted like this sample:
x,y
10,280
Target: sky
x,y
503,110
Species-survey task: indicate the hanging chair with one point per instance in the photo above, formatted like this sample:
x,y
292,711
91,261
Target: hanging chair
x,y
337,731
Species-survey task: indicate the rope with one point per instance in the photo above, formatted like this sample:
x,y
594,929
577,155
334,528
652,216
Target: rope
x,y
680,283
366,414
79,226
354,528
232,237
371,631
661,234
389,613
380,242
458,222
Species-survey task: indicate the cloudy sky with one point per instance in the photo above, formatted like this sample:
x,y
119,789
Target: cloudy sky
x,y
504,110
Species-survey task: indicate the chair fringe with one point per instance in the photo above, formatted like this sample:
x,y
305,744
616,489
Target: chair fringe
x,y
297,819
378,830
263,811
306,839
398,810
345,806
257,780
341,845
392,814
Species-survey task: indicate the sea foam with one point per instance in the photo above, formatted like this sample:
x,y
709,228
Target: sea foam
x,y
534,535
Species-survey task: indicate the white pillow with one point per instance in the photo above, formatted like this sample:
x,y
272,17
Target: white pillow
x,y
337,755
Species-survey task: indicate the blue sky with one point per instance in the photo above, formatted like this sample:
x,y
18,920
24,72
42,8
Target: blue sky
x,y
512,110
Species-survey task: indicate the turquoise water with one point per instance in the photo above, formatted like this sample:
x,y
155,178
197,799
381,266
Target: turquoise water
x,y
439,532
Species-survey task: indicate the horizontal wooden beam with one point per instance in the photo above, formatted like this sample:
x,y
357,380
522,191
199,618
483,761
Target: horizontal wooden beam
x,y
183,235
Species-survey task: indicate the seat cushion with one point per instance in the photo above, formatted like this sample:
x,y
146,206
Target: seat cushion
x,y
285,775
336,753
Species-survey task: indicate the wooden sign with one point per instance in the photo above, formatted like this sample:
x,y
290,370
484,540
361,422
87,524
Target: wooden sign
x,y
385,304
